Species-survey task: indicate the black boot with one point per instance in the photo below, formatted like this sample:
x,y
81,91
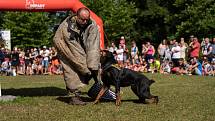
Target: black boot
x,y
86,78
76,100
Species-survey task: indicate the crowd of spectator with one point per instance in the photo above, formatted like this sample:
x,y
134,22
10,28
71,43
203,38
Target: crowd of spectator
x,y
33,61
172,56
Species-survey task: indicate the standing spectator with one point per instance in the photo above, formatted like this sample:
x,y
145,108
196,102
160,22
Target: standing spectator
x,y
183,50
45,62
122,42
194,48
27,58
171,44
207,49
168,53
34,54
143,52
213,48
112,47
161,49
134,53
1,55
14,60
39,60
176,54
150,51
120,53
21,67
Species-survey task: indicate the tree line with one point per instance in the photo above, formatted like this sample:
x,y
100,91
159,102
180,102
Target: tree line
x,y
135,19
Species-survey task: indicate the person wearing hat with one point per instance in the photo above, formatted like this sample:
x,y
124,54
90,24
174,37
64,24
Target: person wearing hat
x,y
77,41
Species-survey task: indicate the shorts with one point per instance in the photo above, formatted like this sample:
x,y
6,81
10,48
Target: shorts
x,y
45,63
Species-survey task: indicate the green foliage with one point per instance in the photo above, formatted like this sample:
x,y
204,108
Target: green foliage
x,y
117,15
197,18
28,29
158,19
134,19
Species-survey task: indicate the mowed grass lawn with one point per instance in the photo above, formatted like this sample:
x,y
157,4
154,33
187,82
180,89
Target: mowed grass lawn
x,y
42,98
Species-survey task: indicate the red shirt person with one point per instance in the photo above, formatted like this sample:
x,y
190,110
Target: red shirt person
x,y
195,48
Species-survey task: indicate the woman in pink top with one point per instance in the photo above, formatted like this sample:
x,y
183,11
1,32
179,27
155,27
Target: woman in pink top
x,y
150,51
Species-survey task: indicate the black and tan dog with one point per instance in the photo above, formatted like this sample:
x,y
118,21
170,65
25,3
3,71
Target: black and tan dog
x,y
112,75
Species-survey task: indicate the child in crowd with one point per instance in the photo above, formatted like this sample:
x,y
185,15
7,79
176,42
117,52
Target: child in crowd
x,y
127,64
5,67
154,65
165,67
143,66
29,69
34,67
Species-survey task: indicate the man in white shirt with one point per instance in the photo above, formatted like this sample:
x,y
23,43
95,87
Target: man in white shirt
x,y
45,54
176,54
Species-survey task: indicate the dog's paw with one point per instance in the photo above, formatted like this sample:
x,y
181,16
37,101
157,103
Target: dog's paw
x,y
95,102
153,100
118,102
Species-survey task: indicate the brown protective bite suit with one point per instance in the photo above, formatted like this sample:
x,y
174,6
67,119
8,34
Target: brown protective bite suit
x,y
78,50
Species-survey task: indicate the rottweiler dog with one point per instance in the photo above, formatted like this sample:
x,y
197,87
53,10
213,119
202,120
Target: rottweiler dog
x,y
123,77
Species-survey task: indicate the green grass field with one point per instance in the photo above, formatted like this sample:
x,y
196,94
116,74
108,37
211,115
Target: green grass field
x,y
42,98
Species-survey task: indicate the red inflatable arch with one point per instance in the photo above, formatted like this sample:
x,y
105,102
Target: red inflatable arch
x,y
50,5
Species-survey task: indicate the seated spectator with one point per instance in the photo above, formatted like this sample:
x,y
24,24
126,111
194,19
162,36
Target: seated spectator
x,y
207,69
165,67
35,67
5,68
213,66
127,64
154,65
39,59
136,67
195,66
183,67
29,69
143,66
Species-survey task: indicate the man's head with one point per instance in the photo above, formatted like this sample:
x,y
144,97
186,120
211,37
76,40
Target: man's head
x,y
195,39
83,15
207,40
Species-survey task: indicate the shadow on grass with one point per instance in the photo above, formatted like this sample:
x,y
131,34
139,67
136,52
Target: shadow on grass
x,y
38,91
66,99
